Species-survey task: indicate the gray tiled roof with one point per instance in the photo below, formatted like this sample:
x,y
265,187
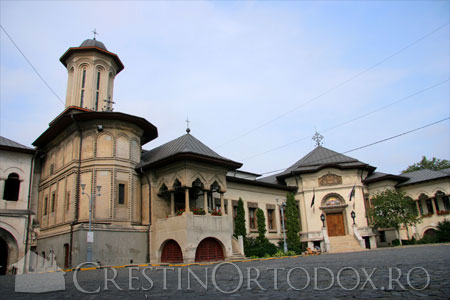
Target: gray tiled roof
x,y
187,144
424,175
321,156
270,179
9,143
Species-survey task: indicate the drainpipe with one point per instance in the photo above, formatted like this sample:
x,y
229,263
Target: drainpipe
x,y
30,187
77,190
149,213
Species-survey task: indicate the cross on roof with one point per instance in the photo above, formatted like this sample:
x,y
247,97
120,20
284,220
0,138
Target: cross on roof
x,y
317,137
95,32
187,123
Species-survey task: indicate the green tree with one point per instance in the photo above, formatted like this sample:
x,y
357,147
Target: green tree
x,y
261,224
434,164
292,224
391,209
239,221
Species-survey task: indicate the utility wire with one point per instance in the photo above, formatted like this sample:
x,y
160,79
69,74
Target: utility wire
x,y
368,145
351,120
29,62
351,78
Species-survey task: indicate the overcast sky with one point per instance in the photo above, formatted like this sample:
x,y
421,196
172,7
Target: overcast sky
x,y
256,79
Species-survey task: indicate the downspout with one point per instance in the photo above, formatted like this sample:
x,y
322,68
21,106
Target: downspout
x,y
149,213
30,187
77,190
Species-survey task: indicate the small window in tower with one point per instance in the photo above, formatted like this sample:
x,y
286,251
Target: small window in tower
x,y
121,197
12,185
82,98
53,201
83,81
98,80
45,205
96,101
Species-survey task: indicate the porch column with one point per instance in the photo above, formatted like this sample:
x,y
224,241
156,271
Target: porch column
x,y
222,204
186,199
172,203
433,205
418,207
205,200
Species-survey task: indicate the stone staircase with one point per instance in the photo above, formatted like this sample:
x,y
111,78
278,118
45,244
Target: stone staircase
x,y
345,243
237,256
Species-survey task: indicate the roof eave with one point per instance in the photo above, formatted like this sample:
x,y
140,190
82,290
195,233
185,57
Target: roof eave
x,y
17,149
71,50
261,183
231,165
330,165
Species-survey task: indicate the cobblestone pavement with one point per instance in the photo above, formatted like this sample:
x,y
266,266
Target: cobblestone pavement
x,y
409,272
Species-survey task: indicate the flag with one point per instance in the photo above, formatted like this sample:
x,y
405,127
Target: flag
x,y
352,193
313,198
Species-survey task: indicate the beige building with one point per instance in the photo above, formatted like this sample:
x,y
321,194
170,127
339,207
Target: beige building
x,y
17,164
105,199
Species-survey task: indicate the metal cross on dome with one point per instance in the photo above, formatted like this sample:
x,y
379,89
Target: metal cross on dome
x,y
95,32
187,123
317,137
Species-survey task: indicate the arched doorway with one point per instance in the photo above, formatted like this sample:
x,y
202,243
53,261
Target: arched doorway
x,y
3,256
171,252
209,249
334,206
9,251
430,232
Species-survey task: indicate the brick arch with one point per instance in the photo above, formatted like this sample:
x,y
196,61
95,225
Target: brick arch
x,y
210,249
171,252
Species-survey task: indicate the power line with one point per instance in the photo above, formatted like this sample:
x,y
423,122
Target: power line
x,y
29,62
371,144
351,78
352,120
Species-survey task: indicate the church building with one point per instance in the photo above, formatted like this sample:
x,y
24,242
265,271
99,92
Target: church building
x,y
102,198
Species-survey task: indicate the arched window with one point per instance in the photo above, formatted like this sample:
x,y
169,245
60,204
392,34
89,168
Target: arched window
x,y
12,185
83,85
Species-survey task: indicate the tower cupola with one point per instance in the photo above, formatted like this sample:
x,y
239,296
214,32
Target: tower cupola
x,y
91,71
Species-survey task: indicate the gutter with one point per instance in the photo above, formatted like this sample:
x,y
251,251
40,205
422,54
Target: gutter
x,y
77,188
149,213
30,187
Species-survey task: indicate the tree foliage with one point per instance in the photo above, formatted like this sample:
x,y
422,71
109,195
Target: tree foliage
x,y
239,221
292,224
391,209
261,224
434,164
443,231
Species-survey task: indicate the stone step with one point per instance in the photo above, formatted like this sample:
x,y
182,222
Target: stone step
x,y
346,243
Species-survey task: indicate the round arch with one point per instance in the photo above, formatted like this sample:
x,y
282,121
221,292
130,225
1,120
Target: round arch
x,y
171,252
9,251
332,199
209,249
430,231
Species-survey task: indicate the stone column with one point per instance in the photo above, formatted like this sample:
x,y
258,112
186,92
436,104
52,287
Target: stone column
x,y
205,200
172,203
186,199
222,204
418,207
433,205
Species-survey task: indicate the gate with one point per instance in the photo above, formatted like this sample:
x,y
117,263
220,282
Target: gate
x,y
171,253
209,250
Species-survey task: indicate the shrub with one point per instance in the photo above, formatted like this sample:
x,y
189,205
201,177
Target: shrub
x,y
239,221
427,239
395,242
443,231
259,248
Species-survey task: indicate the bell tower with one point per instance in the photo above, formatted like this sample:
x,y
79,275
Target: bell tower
x,y
91,71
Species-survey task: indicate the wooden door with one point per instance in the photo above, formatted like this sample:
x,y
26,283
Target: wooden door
x,y
335,224
209,250
171,253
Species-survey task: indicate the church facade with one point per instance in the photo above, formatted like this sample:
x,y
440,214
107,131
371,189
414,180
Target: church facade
x,y
102,198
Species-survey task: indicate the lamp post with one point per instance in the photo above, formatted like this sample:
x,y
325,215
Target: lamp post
x,y
282,207
322,218
90,235
353,215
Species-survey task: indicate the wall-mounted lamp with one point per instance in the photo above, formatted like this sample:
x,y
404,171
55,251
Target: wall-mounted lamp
x,y
322,218
353,215
99,128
